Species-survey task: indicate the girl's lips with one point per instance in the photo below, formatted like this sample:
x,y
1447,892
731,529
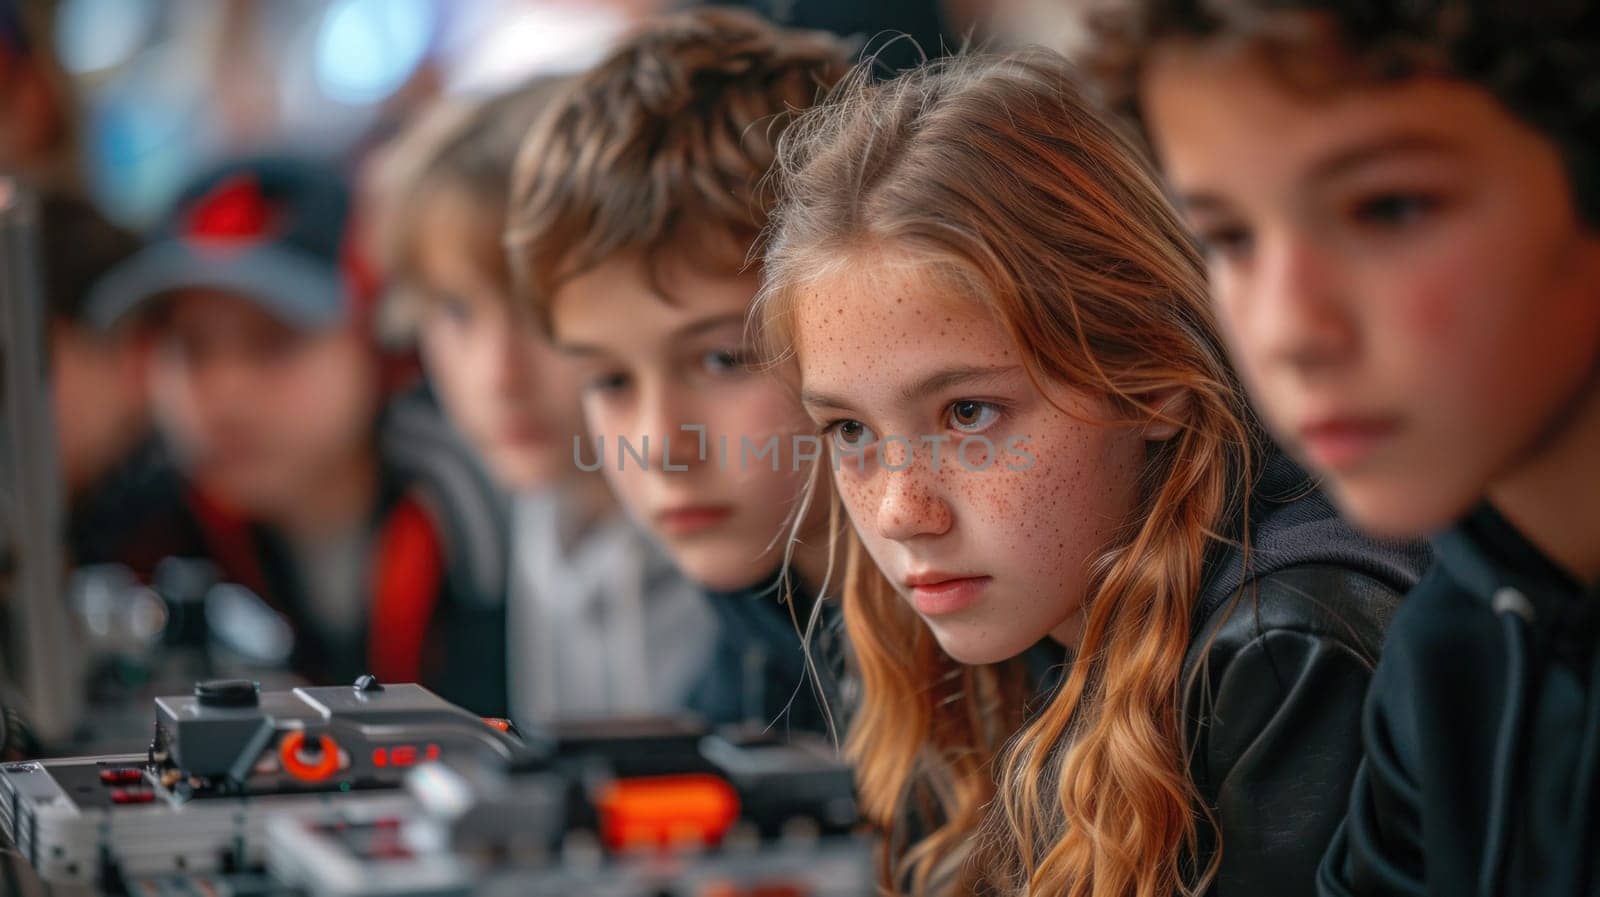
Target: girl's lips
x,y
1338,443
686,521
935,598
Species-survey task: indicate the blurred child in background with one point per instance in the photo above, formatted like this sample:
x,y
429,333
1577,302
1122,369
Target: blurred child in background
x,y
102,412
637,204
270,394
37,128
599,622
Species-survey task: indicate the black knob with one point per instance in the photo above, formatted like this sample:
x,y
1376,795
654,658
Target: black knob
x,y
228,693
368,682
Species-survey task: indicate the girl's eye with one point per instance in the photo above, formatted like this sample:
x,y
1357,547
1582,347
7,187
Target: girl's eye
x,y
851,434
973,417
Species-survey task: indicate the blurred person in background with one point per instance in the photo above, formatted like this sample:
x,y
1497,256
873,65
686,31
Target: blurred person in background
x,y
636,203
113,472
36,122
599,621
344,511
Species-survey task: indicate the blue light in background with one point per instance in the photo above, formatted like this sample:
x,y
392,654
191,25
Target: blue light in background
x,y
142,141
95,35
366,49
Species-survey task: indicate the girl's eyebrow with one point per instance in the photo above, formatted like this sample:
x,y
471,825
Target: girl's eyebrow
x,y
811,398
960,375
931,384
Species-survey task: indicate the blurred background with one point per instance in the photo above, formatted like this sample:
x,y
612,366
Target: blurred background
x,y
127,566
152,89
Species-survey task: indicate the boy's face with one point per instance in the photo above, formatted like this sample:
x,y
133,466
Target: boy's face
x,y
654,365
1400,270
100,399
260,413
501,382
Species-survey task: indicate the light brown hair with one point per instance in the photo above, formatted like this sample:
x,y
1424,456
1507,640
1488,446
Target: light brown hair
x,y
996,176
664,144
467,146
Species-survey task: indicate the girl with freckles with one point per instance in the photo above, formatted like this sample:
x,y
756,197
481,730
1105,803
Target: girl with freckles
x,y
970,251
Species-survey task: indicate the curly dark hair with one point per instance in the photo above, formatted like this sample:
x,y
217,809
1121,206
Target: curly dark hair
x,y
1539,58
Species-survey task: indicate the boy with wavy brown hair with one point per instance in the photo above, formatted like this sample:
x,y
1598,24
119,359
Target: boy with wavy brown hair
x,y
637,202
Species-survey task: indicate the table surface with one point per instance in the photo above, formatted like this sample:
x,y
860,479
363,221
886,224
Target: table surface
x,y
17,879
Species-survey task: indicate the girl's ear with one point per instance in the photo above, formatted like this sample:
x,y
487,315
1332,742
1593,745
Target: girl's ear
x,y
1171,410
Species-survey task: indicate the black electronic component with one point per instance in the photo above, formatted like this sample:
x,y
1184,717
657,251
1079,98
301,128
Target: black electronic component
x,y
378,790
222,762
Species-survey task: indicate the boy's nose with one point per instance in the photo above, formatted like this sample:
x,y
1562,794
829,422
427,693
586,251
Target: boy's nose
x,y
662,421
1296,313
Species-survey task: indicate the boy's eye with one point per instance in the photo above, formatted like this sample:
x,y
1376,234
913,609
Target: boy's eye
x,y
607,382
972,417
1229,241
454,309
722,361
1394,210
851,434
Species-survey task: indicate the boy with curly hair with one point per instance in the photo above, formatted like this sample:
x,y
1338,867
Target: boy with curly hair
x,y
1401,208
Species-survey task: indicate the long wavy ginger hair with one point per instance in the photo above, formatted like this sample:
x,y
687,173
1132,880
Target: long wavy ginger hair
x,y
998,176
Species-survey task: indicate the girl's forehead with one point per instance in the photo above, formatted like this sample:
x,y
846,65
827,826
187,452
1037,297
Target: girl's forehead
x,y
857,308
888,293
871,340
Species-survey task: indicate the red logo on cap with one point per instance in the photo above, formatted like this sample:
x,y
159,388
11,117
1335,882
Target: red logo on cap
x,y
234,215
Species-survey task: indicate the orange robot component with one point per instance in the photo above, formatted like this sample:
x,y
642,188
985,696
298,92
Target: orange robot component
x,y
666,811
327,763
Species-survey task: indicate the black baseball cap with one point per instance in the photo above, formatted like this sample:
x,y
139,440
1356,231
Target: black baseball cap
x,y
268,229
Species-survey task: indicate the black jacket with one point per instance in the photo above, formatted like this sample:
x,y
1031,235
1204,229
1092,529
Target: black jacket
x,y
148,513
1482,732
758,673
1284,646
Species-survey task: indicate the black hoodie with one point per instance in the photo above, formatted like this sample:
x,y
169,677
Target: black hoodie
x,y
1482,732
1283,649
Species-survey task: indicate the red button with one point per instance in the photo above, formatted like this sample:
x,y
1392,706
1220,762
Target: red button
x,y
121,775
132,796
